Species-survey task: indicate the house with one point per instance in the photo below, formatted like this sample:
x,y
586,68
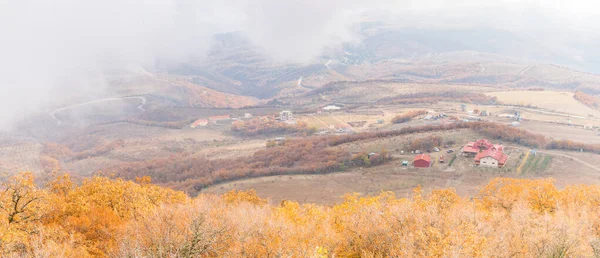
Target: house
x,y
331,108
286,115
422,161
199,123
491,158
473,148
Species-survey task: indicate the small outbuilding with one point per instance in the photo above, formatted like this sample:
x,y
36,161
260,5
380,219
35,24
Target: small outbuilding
x,y
422,161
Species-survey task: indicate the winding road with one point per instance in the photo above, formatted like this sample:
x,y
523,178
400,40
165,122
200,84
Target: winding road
x,y
140,107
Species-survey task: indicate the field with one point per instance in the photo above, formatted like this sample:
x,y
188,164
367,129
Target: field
x,y
19,157
562,102
463,175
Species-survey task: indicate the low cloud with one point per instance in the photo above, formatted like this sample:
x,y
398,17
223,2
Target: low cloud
x,y
57,49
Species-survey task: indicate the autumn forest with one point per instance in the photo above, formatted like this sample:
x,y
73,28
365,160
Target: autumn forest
x,y
106,217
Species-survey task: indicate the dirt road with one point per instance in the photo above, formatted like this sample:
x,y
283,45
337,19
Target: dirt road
x,y
140,107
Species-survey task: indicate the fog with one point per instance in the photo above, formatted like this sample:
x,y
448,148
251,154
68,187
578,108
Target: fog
x,y
55,50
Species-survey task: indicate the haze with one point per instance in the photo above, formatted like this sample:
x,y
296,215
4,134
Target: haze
x,y
53,51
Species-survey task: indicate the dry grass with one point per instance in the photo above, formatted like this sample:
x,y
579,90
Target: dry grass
x,y
551,100
20,157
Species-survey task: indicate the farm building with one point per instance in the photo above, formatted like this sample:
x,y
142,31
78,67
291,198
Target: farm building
x,y
491,158
286,115
199,123
473,148
422,161
331,108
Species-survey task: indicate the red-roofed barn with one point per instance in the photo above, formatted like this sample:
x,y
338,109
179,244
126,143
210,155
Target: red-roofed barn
x,y
422,161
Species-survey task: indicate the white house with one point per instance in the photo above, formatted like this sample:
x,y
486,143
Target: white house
x,y
331,108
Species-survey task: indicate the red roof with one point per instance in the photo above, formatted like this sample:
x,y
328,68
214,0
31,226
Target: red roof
x,y
424,157
470,148
481,144
495,154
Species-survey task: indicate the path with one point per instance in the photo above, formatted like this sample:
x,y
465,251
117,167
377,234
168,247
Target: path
x,y
327,64
140,107
525,70
322,122
573,158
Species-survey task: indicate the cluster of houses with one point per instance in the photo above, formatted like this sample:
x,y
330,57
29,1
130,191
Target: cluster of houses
x,y
485,153
217,120
432,115
286,116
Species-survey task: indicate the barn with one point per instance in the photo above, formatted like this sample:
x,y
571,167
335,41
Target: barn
x,y
422,161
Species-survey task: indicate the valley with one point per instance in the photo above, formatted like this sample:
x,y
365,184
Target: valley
x,y
214,125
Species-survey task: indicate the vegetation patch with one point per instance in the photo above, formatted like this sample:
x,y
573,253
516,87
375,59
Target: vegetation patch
x,y
266,126
408,116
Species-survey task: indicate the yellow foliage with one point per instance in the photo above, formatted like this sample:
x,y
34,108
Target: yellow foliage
x,y
234,196
105,217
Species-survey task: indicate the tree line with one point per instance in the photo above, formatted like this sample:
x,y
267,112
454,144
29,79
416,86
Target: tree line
x,y
403,118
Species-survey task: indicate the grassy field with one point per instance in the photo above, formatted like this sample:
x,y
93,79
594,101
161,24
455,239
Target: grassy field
x,y
550,100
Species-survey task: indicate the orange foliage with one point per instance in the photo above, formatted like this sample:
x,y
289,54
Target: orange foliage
x,y
589,100
191,173
265,126
408,116
426,143
115,218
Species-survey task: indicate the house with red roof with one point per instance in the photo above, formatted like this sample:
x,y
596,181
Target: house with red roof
x,y
491,158
473,148
422,161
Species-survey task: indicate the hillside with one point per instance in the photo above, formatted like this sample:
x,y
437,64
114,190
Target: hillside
x,y
396,54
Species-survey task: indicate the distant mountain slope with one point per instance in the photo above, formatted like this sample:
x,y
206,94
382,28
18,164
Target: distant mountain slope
x,y
442,55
